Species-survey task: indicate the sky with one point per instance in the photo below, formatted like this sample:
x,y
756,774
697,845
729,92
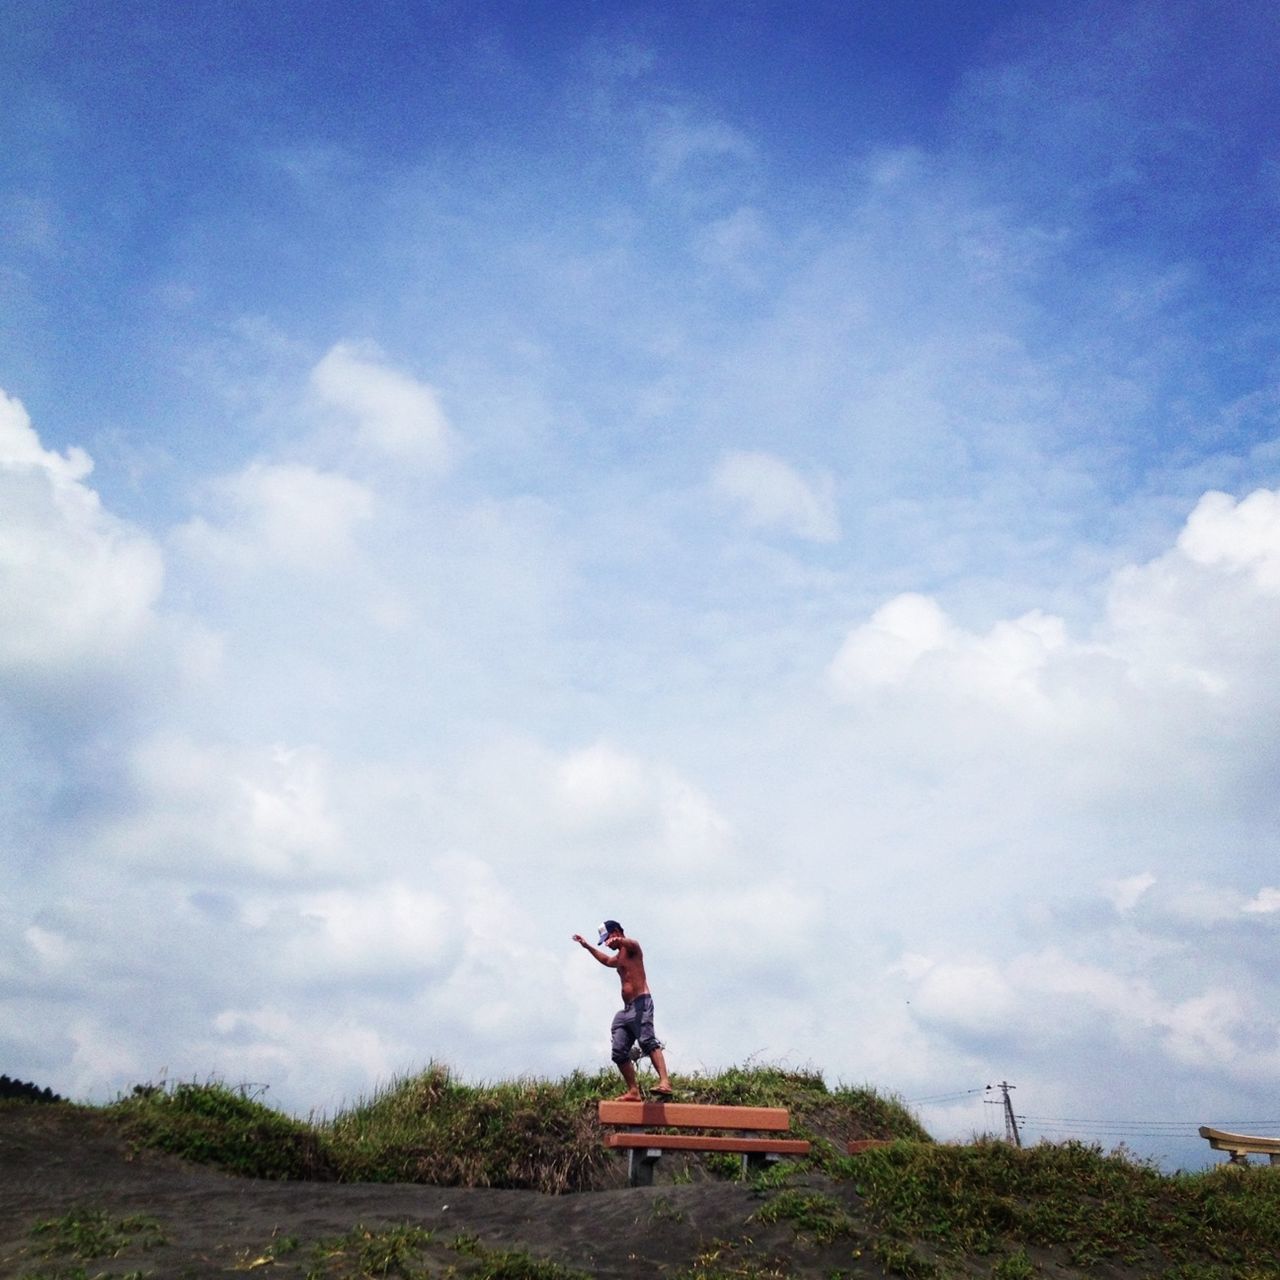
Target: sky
x,y
802,480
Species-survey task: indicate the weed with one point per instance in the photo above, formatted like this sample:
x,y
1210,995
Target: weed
x,y
1017,1266
722,1260
776,1175
79,1273
811,1213
664,1211
93,1233
720,1164
392,1251
901,1259
280,1247
515,1264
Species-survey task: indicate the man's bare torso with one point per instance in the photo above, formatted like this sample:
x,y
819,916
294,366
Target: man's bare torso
x,y
630,964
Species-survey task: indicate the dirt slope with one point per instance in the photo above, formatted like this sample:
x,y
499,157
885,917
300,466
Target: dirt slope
x,y
55,1159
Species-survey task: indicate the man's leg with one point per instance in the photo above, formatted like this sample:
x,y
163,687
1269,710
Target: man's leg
x,y
660,1066
633,1093
623,1035
651,1045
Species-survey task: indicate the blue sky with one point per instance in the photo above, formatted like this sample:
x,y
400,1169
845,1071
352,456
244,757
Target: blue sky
x,y
801,480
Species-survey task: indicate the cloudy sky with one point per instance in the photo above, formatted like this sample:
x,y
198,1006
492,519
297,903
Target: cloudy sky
x,y
803,480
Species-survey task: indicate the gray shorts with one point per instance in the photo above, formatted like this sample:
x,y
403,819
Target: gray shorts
x,y
632,1023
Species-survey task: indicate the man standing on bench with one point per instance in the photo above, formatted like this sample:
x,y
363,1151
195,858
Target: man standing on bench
x,y
635,1020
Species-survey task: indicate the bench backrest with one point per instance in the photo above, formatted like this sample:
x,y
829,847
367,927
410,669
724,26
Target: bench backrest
x,y
694,1115
1220,1140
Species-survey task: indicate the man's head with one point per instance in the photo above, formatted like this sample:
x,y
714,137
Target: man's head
x,y
610,930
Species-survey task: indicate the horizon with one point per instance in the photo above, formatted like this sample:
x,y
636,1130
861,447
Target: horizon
x,y
803,481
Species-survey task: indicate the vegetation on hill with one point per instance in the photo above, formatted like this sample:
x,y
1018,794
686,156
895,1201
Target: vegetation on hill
x,y
539,1135
1072,1202
912,1208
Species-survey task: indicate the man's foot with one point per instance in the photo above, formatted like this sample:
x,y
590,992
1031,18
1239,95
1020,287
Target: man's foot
x,y
631,1095
663,1092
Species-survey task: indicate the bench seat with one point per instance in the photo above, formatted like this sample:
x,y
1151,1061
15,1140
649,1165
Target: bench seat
x,y
644,1147
708,1142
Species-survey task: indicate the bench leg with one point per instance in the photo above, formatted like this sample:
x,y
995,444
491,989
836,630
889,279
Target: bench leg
x,y
640,1166
756,1162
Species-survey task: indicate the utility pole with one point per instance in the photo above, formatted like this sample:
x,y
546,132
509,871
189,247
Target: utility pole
x,y
1011,1133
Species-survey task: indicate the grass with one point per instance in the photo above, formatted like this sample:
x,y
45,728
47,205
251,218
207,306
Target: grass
x,y
529,1134
991,1199
408,1252
915,1207
217,1124
392,1251
815,1215
90,1235
732,1260
87,1234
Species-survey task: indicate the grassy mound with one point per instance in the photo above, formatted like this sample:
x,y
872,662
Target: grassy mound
x,y
219,1125
531,1134
1070,1202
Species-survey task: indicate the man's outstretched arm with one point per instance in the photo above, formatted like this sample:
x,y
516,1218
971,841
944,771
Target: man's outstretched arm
x,y
610,962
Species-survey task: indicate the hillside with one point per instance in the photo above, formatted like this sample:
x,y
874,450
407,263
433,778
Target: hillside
x,y
435,1178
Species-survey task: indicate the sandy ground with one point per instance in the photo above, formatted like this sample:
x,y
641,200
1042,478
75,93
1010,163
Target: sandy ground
x,y
53,1160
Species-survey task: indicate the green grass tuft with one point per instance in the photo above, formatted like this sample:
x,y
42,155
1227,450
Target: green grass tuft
x,y
216,1124
362,1251
86,1234
812,1214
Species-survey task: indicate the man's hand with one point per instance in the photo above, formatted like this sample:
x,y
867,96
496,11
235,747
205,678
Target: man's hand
x,y
580,940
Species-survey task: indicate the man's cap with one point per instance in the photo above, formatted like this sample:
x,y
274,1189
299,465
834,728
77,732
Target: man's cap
x,y
609,926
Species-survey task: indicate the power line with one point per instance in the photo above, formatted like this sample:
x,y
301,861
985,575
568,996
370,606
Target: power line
x,y
948,1097
1193,1123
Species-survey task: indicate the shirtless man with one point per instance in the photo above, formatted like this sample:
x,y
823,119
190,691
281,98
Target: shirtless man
x,y
635,1020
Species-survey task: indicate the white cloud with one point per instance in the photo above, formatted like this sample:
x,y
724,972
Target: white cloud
x,y
678,144
601,787
77,586
393,413
734,245
770,494
1126,892
1264,903
212,811
388,931
1241,536
884,650
910,641
282,513
967,998
1188,624
603,794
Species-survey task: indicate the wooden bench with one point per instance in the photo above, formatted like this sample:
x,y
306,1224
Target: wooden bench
x,y
644,1149
1241,1146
